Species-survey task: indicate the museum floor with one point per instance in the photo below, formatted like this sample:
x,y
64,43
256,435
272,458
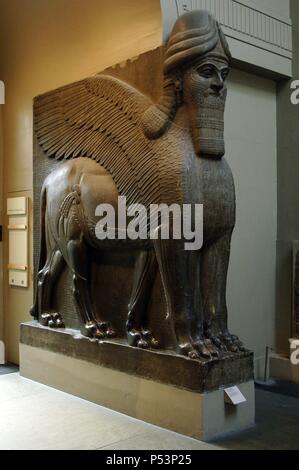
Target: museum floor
x,y
34,416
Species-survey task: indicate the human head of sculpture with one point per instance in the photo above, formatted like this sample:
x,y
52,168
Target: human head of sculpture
x,y
196,65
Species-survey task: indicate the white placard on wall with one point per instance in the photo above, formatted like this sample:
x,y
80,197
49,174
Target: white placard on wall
x,y
17,210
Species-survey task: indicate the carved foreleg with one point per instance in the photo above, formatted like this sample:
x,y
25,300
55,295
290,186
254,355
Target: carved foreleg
x,y
79,262
144,276
178,272
214,267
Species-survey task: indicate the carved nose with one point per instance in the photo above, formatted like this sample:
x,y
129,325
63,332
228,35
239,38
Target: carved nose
x,y
217,83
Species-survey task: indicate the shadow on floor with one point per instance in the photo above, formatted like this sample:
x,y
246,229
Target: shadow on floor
x,y
277,425
8,369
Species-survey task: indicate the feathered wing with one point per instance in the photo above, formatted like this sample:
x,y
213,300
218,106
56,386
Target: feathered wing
x,y
99,118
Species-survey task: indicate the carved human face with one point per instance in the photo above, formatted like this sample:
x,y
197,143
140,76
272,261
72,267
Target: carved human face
x,y
205,93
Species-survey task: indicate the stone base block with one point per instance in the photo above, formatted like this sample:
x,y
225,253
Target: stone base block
x,y
202,415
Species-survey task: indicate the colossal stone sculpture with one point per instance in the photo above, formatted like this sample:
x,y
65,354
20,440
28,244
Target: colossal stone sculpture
x,y
115,141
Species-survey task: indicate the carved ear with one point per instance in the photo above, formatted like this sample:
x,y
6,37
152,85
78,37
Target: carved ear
x,y
158,118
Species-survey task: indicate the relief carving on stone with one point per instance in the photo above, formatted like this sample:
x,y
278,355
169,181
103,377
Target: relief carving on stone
x,y
112,140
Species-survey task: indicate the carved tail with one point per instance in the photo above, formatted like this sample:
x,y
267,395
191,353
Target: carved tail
x,y
42,249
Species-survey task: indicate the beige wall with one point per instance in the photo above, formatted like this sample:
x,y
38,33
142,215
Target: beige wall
x,y
43,45
250,128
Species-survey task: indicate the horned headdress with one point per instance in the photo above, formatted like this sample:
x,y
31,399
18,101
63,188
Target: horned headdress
x,y
195,35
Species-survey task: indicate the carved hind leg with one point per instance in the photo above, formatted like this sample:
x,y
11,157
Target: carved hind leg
x,y
144,276
80,263
47,279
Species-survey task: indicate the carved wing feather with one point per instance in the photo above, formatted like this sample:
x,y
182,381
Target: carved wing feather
x,y
99,118
102,104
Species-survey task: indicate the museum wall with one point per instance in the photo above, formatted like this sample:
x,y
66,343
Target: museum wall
x,y
288,204
250,130
47,44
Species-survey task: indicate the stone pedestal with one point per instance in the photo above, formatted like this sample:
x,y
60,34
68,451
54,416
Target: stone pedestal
x,y
170,391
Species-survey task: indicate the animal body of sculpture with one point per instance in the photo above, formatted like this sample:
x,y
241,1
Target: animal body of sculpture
x,y
166,152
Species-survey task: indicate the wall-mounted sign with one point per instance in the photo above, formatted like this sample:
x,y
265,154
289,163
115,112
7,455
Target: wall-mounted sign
x,y
2,353
2,92
17,210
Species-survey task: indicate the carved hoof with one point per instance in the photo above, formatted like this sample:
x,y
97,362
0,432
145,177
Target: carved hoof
x,y
99,330
52,320
110,333
228,342
203,349
142,339
188,350
218,343
238,343
153,342
233,343
93,331
212,348
107,329
193,354
232,348
142,344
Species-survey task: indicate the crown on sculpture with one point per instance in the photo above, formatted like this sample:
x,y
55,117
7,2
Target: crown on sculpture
x,y
195,35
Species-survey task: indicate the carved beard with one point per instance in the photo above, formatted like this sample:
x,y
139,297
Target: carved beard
x,y
206,113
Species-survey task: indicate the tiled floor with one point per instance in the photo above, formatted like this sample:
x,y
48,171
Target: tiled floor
x,y
33,416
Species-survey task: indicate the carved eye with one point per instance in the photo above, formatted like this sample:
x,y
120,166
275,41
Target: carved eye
x,y
206,72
